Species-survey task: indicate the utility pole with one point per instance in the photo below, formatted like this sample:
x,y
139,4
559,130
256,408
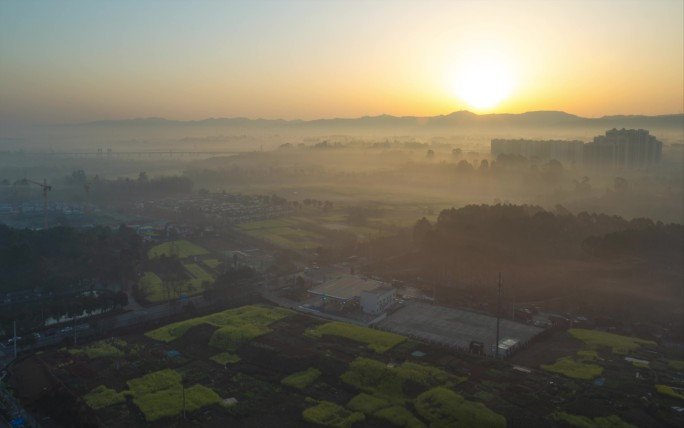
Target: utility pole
x,y
183,385
14,323
498,316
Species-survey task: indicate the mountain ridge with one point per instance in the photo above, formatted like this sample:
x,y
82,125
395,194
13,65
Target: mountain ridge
x,y
462,118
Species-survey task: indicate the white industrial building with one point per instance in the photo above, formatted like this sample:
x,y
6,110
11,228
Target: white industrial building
x,y
378,300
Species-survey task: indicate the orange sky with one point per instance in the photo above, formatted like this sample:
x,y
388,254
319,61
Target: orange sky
x,y
79,61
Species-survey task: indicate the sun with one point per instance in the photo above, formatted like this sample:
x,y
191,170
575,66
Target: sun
x,y
483,81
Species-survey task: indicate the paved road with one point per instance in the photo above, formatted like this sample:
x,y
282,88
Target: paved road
x,y
82,328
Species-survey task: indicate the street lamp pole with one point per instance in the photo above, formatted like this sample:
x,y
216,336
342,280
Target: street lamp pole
x,y
498,316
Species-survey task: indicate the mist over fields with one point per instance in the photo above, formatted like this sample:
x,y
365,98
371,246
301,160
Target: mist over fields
x,y
421,204
440,161
381,175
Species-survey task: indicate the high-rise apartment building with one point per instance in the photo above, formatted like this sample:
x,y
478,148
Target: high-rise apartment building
x,y
623,148
618,148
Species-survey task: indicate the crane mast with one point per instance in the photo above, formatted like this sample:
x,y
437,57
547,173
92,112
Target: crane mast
x,y
46,188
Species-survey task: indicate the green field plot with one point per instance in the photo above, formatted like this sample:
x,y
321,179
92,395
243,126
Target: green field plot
x,y
568,367
102,396
268,224
619,344
329,414
102,349
224,358
290,232
367,404
390,383
212,263
160,394
676,364
399,416
155,290
234,326
578,421
151,287
445,408
670,391
181,249
199,275
587,354
288,237
301,380
379,341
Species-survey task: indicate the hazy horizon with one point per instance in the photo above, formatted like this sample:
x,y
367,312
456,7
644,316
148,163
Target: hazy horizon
x,y
77,62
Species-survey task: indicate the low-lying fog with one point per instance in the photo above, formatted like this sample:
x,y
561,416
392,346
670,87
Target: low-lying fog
x,y
442,169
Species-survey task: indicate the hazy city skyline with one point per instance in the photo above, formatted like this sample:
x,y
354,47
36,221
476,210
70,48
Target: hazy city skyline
x,y
66,62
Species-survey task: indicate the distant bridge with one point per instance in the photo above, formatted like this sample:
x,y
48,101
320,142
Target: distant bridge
x,y
155,153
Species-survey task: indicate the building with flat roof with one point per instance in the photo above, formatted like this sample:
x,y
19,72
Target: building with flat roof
x,y
377,301
345,288
623,148
374,296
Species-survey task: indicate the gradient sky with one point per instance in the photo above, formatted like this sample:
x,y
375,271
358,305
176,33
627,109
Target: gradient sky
x,y
75,61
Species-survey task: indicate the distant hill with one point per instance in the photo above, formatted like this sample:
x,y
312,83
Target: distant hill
x,y
457,120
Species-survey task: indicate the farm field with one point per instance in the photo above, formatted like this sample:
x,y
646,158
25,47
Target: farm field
x,y
286,233
155,289
310,230
180,248
263,366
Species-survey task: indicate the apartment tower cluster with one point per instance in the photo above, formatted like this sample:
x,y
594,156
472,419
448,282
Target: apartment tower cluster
x,y
618,148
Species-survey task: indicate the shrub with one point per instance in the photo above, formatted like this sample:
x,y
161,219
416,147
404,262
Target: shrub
x,y
574,369
444,408
103,397
301,380
379,341
331,415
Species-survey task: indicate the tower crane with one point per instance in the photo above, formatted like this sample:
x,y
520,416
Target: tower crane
x,y
46,189
86,208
